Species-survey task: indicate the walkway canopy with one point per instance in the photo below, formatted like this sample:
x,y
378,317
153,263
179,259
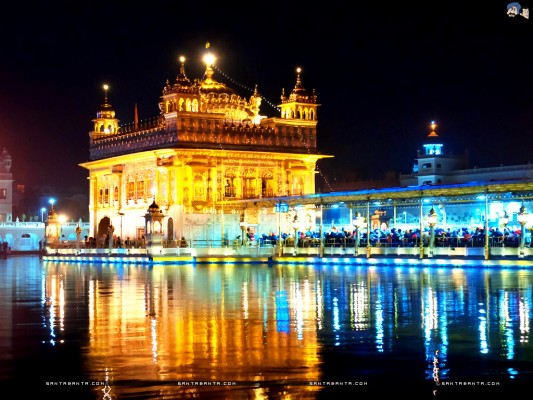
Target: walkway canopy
x,y
510,190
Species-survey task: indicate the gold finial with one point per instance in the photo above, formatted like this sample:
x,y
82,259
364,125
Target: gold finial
x,y
298,79
433,133
106,88
209,59
182,59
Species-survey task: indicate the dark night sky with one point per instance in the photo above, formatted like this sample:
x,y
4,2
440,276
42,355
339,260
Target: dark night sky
x,y
381,73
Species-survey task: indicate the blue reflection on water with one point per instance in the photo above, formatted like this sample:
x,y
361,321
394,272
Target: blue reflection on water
x,y
282,311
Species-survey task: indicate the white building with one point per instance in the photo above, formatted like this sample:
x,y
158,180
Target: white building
x,y
434,166
6,187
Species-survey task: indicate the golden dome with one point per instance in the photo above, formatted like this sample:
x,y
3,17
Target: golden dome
x,y
154,208
209,85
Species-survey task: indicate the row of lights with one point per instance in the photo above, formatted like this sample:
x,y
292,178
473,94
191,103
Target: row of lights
x,y
432,218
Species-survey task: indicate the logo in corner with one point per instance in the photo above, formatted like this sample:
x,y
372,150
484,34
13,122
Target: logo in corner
x,y
514,9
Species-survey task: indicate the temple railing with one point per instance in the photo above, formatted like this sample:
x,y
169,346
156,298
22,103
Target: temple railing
x,y
154,134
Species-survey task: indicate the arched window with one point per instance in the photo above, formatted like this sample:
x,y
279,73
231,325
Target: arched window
x,y
195,105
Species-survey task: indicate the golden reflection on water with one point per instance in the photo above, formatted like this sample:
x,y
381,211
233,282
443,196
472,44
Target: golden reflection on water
x,y
203,324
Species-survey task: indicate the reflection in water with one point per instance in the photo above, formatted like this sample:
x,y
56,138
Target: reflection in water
x,y
267,332
212,324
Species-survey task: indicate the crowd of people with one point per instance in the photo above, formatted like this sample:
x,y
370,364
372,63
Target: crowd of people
x,y
341,237
398,237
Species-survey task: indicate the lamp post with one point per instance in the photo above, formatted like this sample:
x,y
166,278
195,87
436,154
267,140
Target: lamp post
x,y
78,235
504,220
279,244
121,215
295,226
243,227
432,220
52,201
358,222
522,218
308,229
62,220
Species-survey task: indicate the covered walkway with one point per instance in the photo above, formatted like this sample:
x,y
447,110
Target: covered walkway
x,y
484,219
474,221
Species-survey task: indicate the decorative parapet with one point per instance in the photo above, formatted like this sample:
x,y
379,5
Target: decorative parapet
x,y
18,224
208,133
125,143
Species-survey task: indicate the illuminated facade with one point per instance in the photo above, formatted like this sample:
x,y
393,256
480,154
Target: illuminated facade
x,y
208,147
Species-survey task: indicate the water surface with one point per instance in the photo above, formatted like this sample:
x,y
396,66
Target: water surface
x,y
106,331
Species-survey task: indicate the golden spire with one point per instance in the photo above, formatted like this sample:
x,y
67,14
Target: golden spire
x,y
208,84
299,93
209,60
106,110
182,80
298,79
106,88
433,133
